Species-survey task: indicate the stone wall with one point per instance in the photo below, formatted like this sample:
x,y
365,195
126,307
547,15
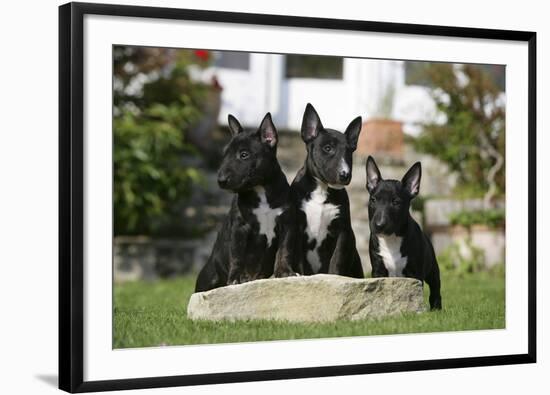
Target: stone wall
x,y
491,241
145,258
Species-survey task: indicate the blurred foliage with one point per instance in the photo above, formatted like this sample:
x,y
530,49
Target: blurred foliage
x,y
155,103
471,140
461,262
419,203
492,218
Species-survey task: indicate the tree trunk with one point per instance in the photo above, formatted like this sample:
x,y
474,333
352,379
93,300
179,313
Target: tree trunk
x,y
491,174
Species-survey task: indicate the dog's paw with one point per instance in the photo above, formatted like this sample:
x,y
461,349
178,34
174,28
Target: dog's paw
x,y
285,273
238,278
235,279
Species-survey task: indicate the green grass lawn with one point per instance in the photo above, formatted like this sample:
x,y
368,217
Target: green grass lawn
x,y
153,314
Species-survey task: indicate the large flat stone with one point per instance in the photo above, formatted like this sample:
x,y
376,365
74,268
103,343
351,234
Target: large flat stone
x,y
318,298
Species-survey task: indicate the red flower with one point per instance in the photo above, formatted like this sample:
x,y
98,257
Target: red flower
x,y
202,54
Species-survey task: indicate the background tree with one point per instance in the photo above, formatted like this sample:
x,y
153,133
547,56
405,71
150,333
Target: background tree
x,y
155,103
471,141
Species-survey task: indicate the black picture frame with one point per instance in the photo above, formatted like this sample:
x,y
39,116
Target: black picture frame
x,y
71,204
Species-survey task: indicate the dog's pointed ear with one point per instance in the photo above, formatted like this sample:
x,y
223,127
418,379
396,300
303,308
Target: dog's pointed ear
x,y
234,125
352,132
311,124
268,132
411,179
373,174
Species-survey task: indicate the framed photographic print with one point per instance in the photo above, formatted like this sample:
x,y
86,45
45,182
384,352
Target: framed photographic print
x,y
249,197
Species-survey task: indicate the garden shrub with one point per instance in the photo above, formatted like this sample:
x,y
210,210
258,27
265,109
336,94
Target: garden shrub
x,y
492,218
469,260
156,102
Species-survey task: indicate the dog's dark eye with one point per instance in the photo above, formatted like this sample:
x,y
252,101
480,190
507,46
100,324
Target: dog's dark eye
x,y
327,148
372,200
395,202
244,155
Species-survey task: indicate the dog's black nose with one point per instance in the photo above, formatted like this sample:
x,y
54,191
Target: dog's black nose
x,y
380,224
223,180
344,176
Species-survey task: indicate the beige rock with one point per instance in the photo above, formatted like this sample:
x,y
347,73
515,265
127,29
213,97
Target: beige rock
x,y
318,298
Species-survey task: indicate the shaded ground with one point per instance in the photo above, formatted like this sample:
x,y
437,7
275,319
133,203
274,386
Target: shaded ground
x,y
153,314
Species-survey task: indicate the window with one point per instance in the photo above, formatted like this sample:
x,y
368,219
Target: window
x,y
309,66
497,73
232,60
416,73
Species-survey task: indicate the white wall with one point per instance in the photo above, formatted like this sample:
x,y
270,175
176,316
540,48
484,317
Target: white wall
x,y
28,202
248,94
360,91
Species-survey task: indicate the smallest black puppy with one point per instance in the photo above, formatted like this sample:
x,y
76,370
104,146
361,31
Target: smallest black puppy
x,y
398,247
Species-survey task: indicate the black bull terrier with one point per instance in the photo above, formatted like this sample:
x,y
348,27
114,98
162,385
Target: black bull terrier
x,y
398,247
325,239
257,237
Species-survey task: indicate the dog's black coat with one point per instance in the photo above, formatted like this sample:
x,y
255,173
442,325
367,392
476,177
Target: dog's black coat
x,y
325,239
393,228
257,237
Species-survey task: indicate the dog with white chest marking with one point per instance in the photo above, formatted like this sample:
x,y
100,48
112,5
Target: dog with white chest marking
x,y
325,239
258,235
398,247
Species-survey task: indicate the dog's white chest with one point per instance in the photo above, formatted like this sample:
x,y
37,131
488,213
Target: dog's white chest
x,y
389,249
319,215
266,216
